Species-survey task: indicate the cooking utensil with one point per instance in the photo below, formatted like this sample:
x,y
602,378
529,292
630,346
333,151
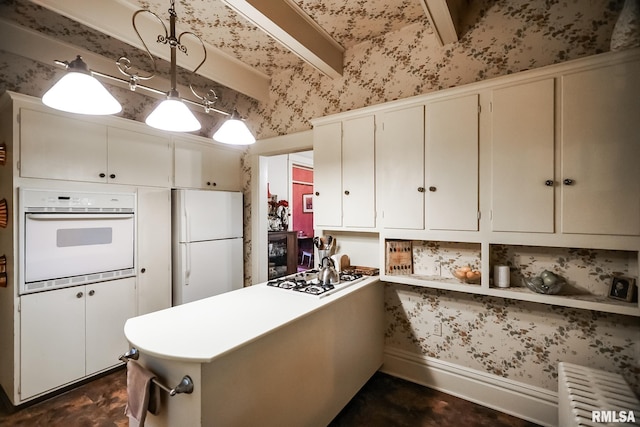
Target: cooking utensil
x,y
328,274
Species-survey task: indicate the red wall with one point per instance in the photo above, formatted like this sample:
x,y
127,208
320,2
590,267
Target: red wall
x,y
302,221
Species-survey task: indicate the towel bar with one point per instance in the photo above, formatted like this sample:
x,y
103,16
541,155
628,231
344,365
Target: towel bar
x,y
185,386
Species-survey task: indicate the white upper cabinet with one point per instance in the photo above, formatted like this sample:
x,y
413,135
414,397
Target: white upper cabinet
x,y
138,159
58,147
600,131
207,166
400,168
451,144
358,172
522,157
327,175
344,173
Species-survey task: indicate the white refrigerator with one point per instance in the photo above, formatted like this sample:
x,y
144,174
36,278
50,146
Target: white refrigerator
x,y
207,243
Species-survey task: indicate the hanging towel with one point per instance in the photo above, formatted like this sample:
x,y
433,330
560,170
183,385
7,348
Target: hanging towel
x,y
142,394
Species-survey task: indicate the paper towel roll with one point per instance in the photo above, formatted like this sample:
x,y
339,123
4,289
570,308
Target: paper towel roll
x,y
501,276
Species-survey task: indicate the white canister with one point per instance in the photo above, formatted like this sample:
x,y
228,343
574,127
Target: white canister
x,y
501,276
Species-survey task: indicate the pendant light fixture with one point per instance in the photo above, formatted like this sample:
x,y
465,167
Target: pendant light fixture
x,y
80,92
172,113
233,131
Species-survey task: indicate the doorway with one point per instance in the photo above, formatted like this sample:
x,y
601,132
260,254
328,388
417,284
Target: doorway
x,y
290,213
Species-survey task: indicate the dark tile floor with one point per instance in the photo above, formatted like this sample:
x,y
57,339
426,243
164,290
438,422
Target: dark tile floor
x,y
384,401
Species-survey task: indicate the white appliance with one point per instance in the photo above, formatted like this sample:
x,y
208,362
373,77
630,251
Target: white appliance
x,y
207,243
72,238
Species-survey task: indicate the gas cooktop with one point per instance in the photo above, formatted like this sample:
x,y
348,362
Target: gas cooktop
x,y
307,282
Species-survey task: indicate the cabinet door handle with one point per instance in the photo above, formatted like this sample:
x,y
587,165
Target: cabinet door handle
x,y
142,270
79,295
549,183
432,189
421,189
112,176
102,175
317,193
346,192
568,181
214,184
92,293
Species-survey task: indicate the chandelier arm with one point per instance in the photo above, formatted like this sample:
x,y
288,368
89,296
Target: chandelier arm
x,y
210,97
157,92
124,64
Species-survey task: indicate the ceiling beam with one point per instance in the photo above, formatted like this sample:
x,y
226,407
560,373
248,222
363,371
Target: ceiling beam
x,y
113,18
445,16
288,24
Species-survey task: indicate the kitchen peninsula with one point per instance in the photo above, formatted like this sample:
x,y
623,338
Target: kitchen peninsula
x,y
263,355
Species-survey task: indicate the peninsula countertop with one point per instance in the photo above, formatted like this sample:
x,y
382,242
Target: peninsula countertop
x,y
204,330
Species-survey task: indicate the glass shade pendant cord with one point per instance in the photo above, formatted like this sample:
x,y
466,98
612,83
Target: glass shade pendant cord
x,y
170,114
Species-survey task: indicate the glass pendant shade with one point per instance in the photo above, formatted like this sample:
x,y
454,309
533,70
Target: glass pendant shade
x,y
173,115
234,132
81,93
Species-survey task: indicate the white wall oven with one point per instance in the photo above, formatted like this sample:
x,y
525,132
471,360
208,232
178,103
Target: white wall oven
x,y
72,238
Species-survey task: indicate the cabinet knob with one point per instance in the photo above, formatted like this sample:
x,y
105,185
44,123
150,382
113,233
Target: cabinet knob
x,y
549,183
432,189
208,182
112,176
92,293
142,270
214,184
421,189
102,175
346,192
79,295
568,181
317,193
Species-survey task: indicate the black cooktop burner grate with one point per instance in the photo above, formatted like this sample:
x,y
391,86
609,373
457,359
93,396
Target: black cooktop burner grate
x,y
307,282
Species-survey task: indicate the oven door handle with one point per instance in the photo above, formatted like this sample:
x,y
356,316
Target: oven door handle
x,y
45,217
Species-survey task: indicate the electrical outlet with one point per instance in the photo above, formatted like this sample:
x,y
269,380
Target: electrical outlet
x,y
437,329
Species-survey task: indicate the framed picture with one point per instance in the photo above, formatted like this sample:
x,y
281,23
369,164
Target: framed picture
x,y
307,203
622,288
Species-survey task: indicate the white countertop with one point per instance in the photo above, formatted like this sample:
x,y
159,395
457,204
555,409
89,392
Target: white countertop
x,y
203,330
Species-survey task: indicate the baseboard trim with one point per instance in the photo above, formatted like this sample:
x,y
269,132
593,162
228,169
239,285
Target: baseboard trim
x,y
515,398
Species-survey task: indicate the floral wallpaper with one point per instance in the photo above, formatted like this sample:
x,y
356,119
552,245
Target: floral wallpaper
x,y
498,37
518,340
515,339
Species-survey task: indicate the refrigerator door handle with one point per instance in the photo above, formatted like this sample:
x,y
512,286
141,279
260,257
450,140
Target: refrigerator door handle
x,y
187,226
187,271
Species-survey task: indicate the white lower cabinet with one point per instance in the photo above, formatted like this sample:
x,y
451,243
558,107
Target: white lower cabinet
x,y
70,333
